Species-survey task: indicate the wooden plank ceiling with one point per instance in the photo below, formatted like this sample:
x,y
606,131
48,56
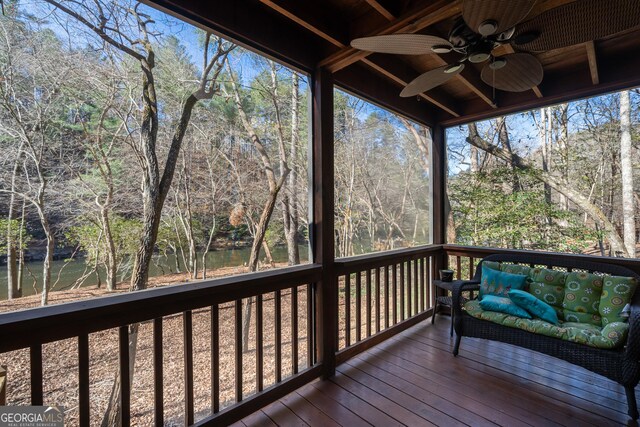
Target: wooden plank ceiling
x,y
309,34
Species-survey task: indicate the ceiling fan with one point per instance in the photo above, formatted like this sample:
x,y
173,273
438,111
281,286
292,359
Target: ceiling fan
x,y
488,24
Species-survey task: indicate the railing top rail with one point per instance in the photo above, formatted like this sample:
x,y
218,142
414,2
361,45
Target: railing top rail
x,y
23,328
360,262
480,252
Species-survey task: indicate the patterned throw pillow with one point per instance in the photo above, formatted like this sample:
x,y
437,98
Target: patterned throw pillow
x,y
515,269
582,298
617,293
495,265
498,283
503,305
548,286
533,305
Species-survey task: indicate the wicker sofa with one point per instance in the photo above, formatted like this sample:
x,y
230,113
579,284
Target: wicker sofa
x,y
621,364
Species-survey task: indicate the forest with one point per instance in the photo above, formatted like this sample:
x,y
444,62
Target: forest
x,y
133,141
561,178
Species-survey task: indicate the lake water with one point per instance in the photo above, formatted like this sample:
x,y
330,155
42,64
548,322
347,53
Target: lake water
x,y
215,259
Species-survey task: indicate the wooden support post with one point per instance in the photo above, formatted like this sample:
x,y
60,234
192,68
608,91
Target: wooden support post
x,y
438,200
323,223
3,385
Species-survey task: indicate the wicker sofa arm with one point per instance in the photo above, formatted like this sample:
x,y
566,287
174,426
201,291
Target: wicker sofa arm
x,y
633,340
460,286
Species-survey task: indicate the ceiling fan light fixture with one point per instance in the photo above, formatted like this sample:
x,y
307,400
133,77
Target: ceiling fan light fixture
x,y
478,57
454,68
488,27
441,48
497,63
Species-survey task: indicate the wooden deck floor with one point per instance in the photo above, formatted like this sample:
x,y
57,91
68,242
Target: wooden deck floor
x,y
414,380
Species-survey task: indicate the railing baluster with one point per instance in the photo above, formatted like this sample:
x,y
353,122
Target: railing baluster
x,y
458,267
187,327
423,301
125,384
408,289
386,295
83,380
294,329
158,387
36,375
215,358
259,345
402,292
368,301
377,285
416,288
310,326
278,334
471,261
394,279
347,310
239,332
358,306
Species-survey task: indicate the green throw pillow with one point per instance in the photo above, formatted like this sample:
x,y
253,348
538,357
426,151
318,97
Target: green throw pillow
x,y
503,305
617,293
548,286
515,269
582,298
491,264
533,305
498,283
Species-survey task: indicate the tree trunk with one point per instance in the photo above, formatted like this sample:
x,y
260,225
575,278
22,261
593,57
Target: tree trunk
x,y
290,203
626,169
12,266
558,185
544,148
503,137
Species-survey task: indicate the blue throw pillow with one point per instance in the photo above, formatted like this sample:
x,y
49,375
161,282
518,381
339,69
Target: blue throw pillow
x,y
503,305
534,306
494,282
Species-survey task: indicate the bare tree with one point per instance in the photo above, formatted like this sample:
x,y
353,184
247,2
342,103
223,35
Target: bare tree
x,y
558,185
626,170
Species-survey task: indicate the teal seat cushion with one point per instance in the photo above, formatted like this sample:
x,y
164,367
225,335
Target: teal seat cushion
x,y
498,283
503,305
534,306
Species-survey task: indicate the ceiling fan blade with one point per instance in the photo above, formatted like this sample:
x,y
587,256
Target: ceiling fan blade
x,y
521,72
402,44
505,13
429,80
578,22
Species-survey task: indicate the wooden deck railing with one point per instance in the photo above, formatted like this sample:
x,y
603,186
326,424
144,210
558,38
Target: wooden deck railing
x,y
464,259
382,294
376,297
33,328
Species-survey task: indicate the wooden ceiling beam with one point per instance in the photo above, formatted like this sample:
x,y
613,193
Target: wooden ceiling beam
x,y
593,62
373,87
296,12
382,10
247,23
616,73
411,22
390,69
402,74
470,78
